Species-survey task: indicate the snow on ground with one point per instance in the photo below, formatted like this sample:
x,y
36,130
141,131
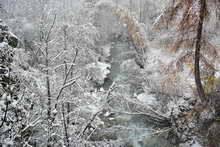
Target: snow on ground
x,y
106,50
196,144
147,99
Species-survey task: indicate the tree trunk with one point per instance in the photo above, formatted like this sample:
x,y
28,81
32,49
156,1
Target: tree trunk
x,y
66,70
67,143
199,86
65,123
48,84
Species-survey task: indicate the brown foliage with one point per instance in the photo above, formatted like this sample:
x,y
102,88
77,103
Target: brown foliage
x,y
133,27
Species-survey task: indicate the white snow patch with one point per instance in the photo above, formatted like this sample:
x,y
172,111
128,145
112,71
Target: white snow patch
x,y
196,145
3,44
105,3
99,71
107,114
147,98
54,112
106,50
91,108
217,74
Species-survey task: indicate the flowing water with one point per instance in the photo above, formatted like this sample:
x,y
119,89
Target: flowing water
x,y
137,131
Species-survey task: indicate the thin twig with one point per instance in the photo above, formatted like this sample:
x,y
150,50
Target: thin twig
x,y
66,77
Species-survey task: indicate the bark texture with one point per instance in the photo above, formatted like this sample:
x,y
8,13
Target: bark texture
x,y
199,86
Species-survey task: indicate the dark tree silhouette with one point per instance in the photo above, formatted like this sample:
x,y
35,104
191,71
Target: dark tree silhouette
x,y
199,86
189,32
187,18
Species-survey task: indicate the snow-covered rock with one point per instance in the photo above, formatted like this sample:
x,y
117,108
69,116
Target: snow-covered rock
x,y
106,50
146,98
99,72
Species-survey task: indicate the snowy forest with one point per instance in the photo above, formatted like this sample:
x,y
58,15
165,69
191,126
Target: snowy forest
x,y
109,73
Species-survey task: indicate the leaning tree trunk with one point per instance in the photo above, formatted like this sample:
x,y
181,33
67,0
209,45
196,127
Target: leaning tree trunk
x,y
199,86
211,138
